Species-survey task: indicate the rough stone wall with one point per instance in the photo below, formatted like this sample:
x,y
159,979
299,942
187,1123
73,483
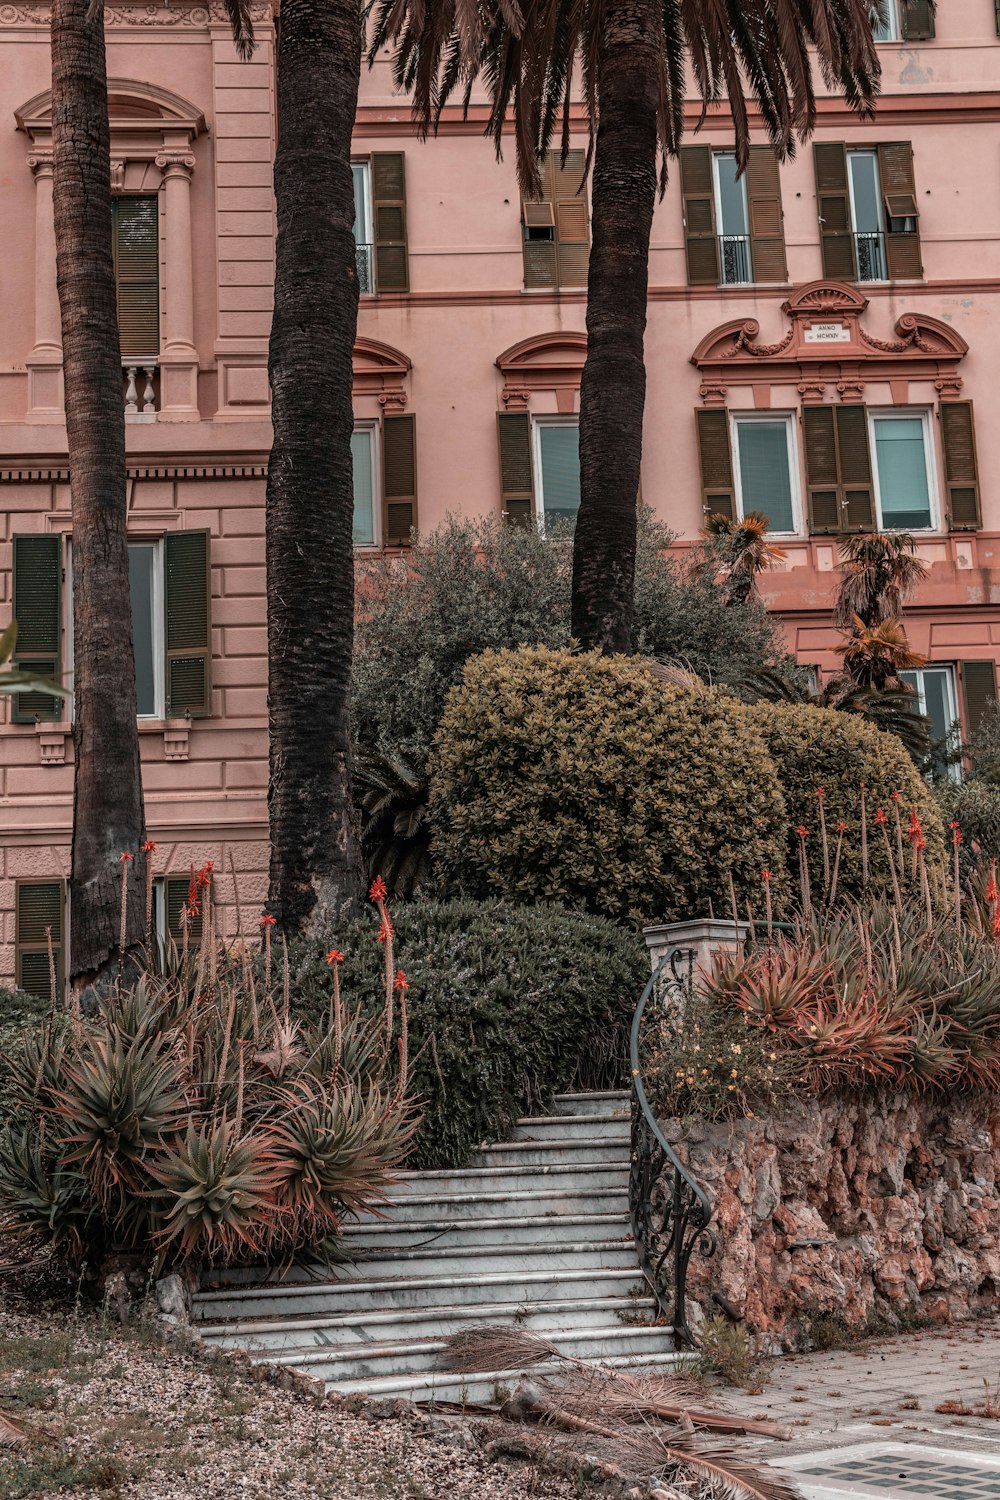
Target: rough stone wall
x,y
876,1208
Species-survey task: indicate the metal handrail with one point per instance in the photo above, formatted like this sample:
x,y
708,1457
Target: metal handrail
x,y
671,1235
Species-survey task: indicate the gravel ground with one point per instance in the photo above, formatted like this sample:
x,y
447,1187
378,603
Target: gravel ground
x,y
119,1415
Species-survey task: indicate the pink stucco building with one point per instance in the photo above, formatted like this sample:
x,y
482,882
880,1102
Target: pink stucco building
x,y
823,342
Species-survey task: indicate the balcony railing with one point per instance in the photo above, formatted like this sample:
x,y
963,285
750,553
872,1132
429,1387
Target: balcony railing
x,y
141,379
869,251
365,257
734,259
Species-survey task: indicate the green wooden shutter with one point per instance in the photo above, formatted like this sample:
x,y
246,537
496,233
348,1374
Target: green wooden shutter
x,y
175,894
572,224
834,207
517,483
38,904
822,477
899,200
767,241
961,471
136,240
541,265
399,480
392,265
917,20
188,591
37,609
718,495
856,494
698,196
979,692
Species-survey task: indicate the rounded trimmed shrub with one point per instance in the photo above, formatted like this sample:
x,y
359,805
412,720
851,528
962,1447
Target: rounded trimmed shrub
x,y
581,778
824,748
506,1005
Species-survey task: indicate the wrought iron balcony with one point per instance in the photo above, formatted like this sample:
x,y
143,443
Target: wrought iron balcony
x,y
869,252
365,256
734,259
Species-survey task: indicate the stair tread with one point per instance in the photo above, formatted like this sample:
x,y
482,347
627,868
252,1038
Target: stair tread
x,y
404,1384
318,1354
526,1195
493,1311
393,1226
376,1283
486,1173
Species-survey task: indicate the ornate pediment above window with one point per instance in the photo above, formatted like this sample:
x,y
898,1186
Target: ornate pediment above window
x,y
548,362
827,341
152,132
381,371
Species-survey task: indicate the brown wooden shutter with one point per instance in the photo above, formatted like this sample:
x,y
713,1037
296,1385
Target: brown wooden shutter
x,y
399,480
572,223
822,474
698,195
834,208
916,20
136,242
718,495
961,472
996,7
37,610
856,495
392,266
175,894
899,200
517,480
979,692
38,904
767,241
188,593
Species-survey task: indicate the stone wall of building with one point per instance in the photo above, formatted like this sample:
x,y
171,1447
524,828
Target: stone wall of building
x,y
873,1209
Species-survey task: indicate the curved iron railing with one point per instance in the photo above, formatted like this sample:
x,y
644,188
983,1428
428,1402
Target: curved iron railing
x,y
670,1213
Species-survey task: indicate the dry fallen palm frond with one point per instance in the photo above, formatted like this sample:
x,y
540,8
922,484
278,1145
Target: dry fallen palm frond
x,y
639,1397
13,1432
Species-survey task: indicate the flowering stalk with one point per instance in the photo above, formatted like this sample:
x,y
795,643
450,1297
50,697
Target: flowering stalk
x,y
267,922
894,796
149,849
925,884
402,985
915,833
956,839
335,958
766,877
732,902
864,834
124,860
882,820
841,830
52,969
378,894
821,798
803,834
993,897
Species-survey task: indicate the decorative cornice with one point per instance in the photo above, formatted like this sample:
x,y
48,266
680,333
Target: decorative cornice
x,y
546,362
380,370
193,17
58,473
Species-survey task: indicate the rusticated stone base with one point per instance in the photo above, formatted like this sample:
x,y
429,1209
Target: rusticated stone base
x,y
877,1209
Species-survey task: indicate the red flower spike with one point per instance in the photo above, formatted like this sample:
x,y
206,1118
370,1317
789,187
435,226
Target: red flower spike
x,y
820,792
335,956
149,847
267,921
894,796
957,836
377,891
996,923
765,874
386,931
401,983
880,816
841,827
803,833
125,859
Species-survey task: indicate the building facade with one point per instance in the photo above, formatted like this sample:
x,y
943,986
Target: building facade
x,y
820,345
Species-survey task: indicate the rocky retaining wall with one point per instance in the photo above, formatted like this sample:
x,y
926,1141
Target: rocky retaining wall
x,y
874,1209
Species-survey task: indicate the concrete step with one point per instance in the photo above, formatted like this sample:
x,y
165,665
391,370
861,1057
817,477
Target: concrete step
x,y
372,1360
521,1154
362,1240
608,1103
574,1128
406,1324
542,1202
556,1176
598,1255
489,1388
342,1297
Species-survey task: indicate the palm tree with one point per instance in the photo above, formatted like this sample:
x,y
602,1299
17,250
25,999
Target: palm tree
x,y
634,57
108,817
742,548
874,655
316,869
879,572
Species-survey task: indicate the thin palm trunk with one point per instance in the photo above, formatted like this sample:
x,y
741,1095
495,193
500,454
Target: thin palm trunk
x,y
108,814
316,871
613,388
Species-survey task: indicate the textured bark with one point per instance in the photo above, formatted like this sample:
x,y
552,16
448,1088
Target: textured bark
x,y
613,388
107,792
316,873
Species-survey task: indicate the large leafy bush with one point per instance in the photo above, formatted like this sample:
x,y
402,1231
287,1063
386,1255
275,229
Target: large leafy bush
x,y
820,749
507,1005
582,779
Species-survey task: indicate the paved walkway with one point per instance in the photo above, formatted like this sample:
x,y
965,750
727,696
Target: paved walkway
x,y
887,1390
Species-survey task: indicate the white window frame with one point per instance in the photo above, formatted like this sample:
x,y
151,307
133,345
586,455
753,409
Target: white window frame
x,y
158,607
792,436
954,768
892,23
364,165
721,235
871,154
537,424
374,434
899,414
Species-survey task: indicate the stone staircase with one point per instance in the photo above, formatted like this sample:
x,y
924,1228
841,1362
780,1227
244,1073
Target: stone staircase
x,y
535,1233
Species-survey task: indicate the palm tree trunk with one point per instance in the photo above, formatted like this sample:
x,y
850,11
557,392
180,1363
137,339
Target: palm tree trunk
x,y
613,388
108,814
316,872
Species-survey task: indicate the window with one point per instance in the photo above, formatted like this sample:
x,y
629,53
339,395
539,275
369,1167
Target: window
x,y
732,219
902,20
885,21
934,695
868,218
900,446
145,574
39,905
557,471
170,896
363,224
136,247
555,226
765,462
363,457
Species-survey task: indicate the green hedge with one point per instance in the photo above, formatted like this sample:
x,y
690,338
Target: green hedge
x,y
820,748
582,779
507,1005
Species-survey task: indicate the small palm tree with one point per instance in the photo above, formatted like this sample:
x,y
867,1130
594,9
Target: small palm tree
x,y
879,572
744,552
875,655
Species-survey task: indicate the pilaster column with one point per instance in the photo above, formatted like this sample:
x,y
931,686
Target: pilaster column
x,y
178,357
44,364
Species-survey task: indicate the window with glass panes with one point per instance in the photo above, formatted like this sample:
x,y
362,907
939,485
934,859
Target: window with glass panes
x,y
361,172
934,695
365,508
733,220
900,443
764,461
557,471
